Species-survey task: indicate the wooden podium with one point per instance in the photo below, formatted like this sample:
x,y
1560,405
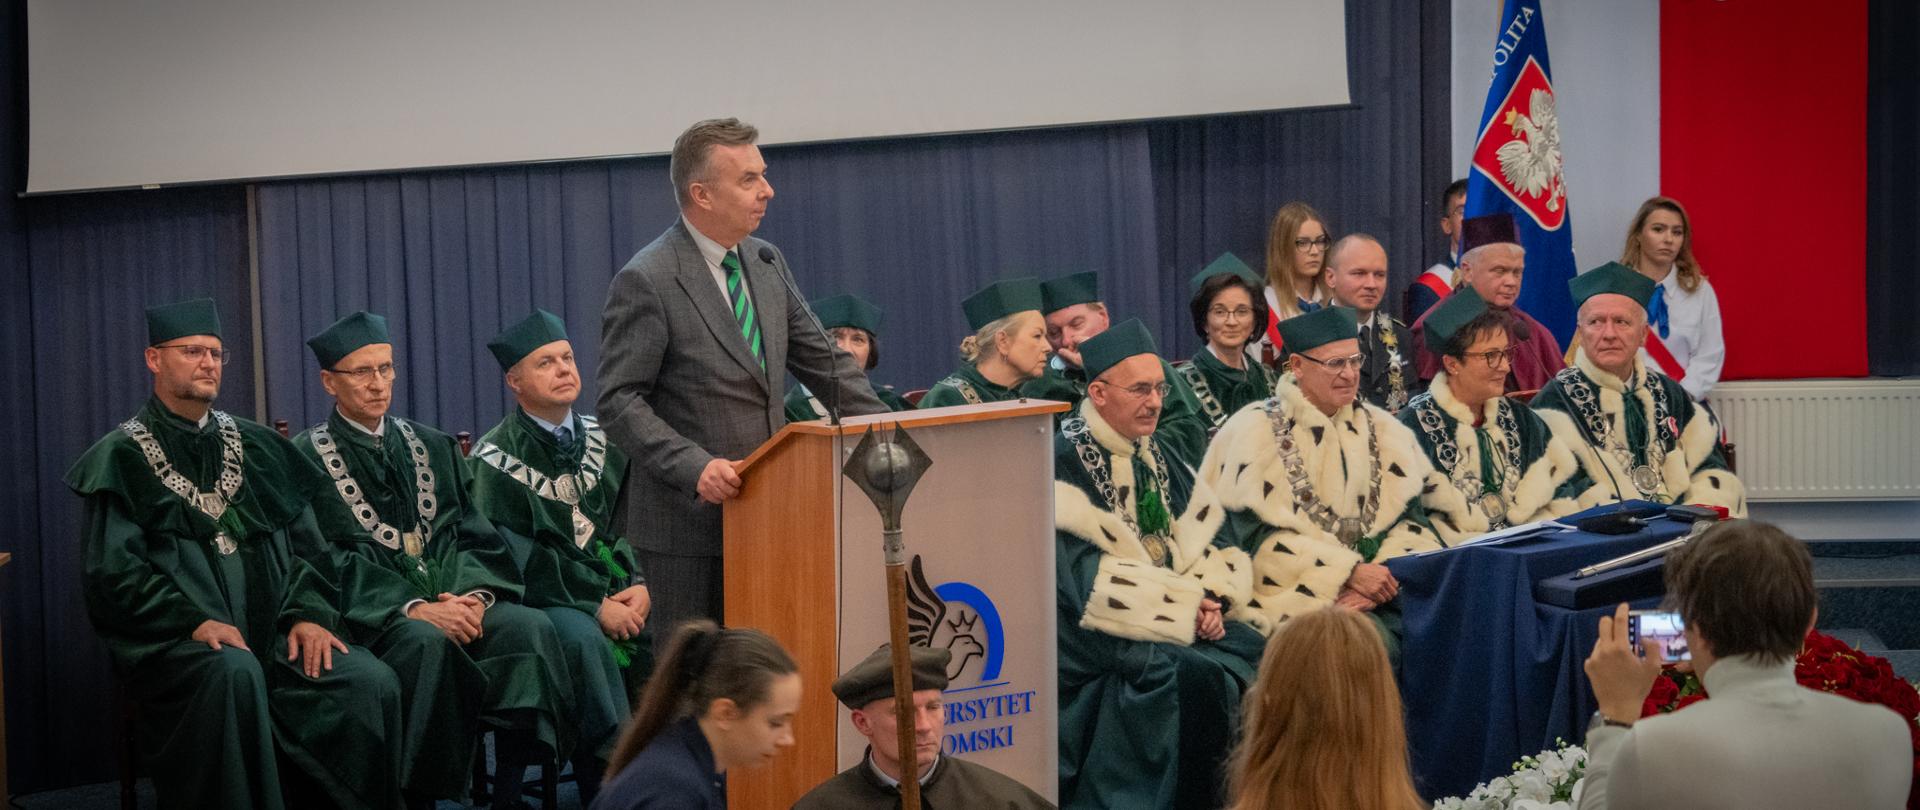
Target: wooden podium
x,y
804,564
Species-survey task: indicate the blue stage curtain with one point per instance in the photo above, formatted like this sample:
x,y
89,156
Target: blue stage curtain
x,y
1893,170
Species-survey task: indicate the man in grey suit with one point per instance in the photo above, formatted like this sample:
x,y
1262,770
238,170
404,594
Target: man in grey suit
x,y
699,329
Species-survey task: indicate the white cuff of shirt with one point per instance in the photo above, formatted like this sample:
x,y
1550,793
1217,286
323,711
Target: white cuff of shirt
x,y
407,609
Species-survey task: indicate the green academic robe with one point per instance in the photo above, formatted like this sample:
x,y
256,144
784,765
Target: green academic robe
x,y
1678,449
1147,709
522,480
152,574
966,386
1511,456
1300,561
512,677
1183,425
802,405
1222,390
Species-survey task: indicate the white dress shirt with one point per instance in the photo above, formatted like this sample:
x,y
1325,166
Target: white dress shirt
x,y
1693,334
1761,741
714,253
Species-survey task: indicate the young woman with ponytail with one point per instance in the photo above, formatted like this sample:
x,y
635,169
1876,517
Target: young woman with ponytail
x,y
719,699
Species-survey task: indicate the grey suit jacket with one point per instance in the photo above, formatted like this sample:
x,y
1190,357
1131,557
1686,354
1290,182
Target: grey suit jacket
x,y
679,387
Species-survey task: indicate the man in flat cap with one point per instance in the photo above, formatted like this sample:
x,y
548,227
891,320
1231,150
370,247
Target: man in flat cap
x,y
1151,664
1357,275
226,637
1635,430
945,781
854,326
1319,487
426,581
547,478
1075,313
1495,464
1492,263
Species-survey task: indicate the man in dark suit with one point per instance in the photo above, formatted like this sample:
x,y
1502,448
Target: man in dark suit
x,y
699,329
1357,272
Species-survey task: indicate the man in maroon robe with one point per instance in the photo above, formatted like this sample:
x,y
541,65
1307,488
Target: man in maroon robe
x,y
1492,261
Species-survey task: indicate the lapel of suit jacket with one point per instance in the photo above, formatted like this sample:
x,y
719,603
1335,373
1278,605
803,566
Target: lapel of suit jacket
x,y
697,280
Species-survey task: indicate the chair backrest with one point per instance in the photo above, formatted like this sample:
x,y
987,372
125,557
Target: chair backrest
x,y
913,397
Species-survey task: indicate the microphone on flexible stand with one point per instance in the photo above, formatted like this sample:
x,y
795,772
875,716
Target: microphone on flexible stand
x,y
833,364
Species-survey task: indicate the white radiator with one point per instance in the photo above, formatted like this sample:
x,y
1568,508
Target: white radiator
x,y
1824,440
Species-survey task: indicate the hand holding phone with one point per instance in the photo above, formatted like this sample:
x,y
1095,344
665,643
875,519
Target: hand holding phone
x,y
1664,628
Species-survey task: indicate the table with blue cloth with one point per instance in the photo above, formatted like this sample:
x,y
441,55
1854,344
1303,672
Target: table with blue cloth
x,y
1488,674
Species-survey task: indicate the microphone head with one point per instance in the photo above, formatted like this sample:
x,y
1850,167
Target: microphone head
x,y
766,254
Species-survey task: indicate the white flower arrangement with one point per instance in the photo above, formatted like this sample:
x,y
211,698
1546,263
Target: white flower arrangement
x,y
1550,780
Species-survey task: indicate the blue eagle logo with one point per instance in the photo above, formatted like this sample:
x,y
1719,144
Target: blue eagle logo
x,y
959,617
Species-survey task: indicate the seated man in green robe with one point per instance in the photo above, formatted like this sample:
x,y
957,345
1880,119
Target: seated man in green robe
x,y
224,635
1495,464
854,325
1229,311
1075,313
945,780
426,581
547,478
1151,665
1008,346
1320,488
1637,433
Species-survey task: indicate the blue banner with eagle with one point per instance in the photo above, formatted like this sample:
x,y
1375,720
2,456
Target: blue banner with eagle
x,y
1517,169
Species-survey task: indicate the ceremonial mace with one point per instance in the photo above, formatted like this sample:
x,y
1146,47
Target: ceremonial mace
x,y
886,469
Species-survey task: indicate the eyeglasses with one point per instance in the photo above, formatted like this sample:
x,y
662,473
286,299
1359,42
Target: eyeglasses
x,y
1494,358
197,354
1320,242
1143,390
365,374
1237,313
1336,364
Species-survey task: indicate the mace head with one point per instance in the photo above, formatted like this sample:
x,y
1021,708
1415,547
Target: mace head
x,y
886,470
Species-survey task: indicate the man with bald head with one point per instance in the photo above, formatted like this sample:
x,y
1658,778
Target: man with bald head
x,y
1145,583
1357,272
1492,263
1637,433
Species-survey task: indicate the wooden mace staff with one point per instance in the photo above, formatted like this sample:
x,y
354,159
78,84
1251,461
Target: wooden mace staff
x,y
886,470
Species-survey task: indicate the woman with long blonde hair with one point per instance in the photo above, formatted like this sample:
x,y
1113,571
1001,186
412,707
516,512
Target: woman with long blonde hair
x,y
1297,243
1322,727
1684,312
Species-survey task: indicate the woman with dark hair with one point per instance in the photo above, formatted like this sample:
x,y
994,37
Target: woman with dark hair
x,y
854,326
719,699
1228,312
1684,312
1322,727
1495,463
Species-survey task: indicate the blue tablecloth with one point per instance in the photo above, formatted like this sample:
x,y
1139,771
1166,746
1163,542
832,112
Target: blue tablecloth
x,y
1487,674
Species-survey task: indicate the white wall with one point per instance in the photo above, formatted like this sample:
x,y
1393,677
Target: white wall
x,y
1605,56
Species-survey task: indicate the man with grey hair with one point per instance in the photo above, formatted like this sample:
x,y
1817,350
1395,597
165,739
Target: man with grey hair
x,y
1357,273
1491,262
700,328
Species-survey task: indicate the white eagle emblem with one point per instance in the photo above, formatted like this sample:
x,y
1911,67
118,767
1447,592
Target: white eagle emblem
x,y
1531,161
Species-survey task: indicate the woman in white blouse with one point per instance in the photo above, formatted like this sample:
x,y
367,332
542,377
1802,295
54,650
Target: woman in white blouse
x,y
1297,243
1684,313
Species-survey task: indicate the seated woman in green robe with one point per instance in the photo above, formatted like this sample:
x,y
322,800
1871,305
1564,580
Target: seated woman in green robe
x,y
1495,463
1008,346
1228,311
854,325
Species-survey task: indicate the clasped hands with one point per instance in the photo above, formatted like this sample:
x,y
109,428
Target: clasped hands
x,y
1369,586
457,616
623,614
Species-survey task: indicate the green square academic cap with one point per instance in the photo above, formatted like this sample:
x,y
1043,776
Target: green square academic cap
x,y
1447,317
1612,277
524,338
847,310
872,679
1000,299
1067,290
347,336
1318,328
1227,263
177,320
1121,341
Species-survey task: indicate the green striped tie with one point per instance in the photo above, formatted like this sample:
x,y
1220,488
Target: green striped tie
x,y
742,306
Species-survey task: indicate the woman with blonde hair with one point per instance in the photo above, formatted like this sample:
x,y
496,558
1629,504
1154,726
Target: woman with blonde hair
x,y
1322,727
1684,312
1297,243
1008,346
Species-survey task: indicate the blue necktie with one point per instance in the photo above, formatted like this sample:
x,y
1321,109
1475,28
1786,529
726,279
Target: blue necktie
x,y
564,435
1657,310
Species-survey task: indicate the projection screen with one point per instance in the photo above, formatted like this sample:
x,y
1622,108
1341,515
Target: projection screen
x,y
125,93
